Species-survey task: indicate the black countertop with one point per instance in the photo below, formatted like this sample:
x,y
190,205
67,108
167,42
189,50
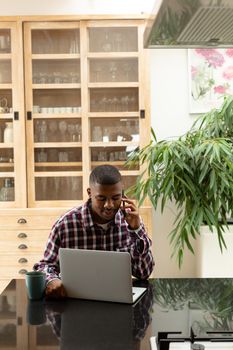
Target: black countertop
x,y
172,309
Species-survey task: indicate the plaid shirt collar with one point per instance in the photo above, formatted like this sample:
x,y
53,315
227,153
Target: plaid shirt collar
x,y
87,218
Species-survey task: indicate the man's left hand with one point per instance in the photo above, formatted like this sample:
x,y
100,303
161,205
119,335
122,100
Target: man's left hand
x,y
131,213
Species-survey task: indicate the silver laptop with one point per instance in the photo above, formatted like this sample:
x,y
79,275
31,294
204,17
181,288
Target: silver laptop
x,y
98,275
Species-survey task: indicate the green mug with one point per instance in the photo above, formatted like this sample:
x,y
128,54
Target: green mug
x,y
35,283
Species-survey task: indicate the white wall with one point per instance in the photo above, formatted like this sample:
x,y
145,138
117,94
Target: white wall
x,y
169,99
73,7
169,117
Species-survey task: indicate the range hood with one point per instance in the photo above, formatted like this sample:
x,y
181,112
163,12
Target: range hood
x,y
190,23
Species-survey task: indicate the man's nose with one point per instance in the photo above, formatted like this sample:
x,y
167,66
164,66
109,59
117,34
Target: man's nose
x,y
109,203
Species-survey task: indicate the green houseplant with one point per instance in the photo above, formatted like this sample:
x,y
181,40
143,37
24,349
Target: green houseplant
x,y
196,172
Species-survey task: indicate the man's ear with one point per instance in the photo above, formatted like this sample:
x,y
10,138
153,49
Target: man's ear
x,y
89,192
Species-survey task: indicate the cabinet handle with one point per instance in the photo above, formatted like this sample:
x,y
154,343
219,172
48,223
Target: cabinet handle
x,y
142,113
23,271
22,246
22,235
22,221
22,260
29,115
16,115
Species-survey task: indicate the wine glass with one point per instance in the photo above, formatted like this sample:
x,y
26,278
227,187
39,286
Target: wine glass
x,y
52,130
71,131
113,70
43,132
78,132
62,126
97,71
118,42
127,70
57,187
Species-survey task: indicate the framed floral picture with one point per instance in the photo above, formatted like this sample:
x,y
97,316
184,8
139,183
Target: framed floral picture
x,y
211,77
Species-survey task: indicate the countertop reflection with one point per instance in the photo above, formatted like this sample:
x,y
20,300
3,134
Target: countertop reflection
x,y
72,324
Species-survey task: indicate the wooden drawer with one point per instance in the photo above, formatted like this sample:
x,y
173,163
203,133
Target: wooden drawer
x,y
29,219
15,241
15,266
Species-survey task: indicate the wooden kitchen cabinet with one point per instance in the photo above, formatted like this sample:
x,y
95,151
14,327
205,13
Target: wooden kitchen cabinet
x,y
12,140
84,99
76,90
23,236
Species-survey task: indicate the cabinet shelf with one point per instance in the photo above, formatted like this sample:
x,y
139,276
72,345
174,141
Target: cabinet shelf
x,y
114,163
6,145
7,316
56,116
9,165
114,144
57,86
57,144
47,347
57,173
6,86
69,56
4,56
113,114
114,85
112,54
57,164
6,116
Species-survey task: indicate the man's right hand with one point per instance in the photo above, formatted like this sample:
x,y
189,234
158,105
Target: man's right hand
x,y
55,289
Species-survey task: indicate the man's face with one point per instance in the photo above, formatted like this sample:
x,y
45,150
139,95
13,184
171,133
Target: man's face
x,y
106,200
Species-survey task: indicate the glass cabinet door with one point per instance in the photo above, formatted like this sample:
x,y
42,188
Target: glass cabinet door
x,y
114,96
83,101
54,125
12,140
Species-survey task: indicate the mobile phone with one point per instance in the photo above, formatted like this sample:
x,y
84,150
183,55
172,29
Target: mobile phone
x,y
123,209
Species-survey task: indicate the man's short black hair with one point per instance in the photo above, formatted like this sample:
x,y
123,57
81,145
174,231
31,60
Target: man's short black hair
x,y
105,175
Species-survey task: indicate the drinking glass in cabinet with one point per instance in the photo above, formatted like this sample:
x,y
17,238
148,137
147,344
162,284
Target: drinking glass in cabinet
x,y
7,157
113,71
52,155
42,156
116,129
8,134
62,126
71,131
43,132
4,105
7,192
114,100
55,71
5,41
78,133
97,134
53,128
63,157
97,73
117,70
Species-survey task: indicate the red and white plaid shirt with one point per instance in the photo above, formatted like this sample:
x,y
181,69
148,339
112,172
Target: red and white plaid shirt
x,y
75,229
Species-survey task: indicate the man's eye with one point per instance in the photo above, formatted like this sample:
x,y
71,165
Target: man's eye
x,y
116,198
